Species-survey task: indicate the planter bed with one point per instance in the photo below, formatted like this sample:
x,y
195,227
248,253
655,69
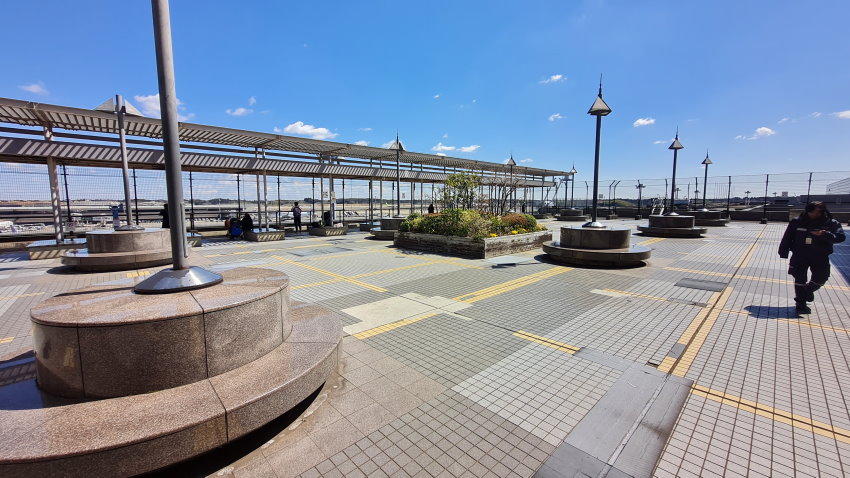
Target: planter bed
x,y
472,248
328,231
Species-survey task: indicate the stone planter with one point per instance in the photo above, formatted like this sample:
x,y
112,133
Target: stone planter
x,y
328,231
264,235
471,248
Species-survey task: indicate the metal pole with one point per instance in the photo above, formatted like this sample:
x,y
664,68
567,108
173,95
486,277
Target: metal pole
x,y
728,195
397,178
704,186
120,109
266,198
371,217
808,191
68,196
136,196
572,191
278,204
593,222
238,197
191,202
673,183
259,211
170,134
313,202
55,199
764,204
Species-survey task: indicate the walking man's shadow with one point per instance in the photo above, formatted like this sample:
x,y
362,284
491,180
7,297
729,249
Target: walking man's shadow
x,y
769,312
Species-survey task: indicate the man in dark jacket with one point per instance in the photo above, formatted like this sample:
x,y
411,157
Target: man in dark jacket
x,y
809,238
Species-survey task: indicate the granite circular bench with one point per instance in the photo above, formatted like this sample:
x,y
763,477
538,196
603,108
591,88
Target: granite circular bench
x,y
672,226
108,250
149,382
709,218
605,247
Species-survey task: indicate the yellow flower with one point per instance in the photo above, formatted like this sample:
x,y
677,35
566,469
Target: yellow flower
x,y
513,232
493,234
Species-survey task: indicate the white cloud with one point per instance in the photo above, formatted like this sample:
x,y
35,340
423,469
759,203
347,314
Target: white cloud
x,y
842,114
252,101
816,114
440,154
37,88
445,135
474,100
239,111
643,122
437,96
149,105
441,147
468,149
364,129
302,129
362,143
761,132
555,116
783,120
553,79
661,141
526,160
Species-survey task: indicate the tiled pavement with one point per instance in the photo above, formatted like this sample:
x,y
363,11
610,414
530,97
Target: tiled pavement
x,y
493,386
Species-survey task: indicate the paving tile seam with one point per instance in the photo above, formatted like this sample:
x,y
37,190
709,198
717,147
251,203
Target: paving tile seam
x,y
510,285
283,260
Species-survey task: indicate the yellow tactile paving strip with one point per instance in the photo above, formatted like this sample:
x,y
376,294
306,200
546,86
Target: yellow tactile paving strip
x,y
570,349
510,285
394,325
793,419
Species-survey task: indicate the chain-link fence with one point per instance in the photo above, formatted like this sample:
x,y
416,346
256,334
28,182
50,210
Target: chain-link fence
x,y
87,193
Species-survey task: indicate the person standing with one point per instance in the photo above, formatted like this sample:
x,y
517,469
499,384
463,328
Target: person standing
x,y
164,213
296,216
247,223
809,239
431,208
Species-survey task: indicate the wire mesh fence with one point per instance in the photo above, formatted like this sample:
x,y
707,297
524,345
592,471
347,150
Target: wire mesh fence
x,y
88,193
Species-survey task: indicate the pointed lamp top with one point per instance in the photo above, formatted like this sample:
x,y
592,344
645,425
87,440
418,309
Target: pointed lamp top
x,y
573,171
109,107
599,107
706,161
511,161
397,145
676,144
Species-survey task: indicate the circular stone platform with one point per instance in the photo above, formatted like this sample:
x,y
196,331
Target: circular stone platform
x,y
672,226
109,250
608,247
710,218
187,375
574,215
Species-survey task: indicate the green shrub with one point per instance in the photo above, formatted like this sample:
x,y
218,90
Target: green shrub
x,y
524,221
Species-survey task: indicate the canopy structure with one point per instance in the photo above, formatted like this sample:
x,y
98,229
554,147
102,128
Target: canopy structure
x,y
51,117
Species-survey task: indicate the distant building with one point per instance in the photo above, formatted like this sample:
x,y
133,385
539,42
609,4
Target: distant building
x,y
839,187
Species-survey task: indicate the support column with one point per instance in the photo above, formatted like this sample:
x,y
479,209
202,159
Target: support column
x,y
120,110
266,198
55,199
191,202
259,221
68,196
135,196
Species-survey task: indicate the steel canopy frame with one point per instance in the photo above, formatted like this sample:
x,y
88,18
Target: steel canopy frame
x,y
54,116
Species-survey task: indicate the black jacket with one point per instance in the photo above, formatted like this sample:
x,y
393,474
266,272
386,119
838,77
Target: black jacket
x,y
794,239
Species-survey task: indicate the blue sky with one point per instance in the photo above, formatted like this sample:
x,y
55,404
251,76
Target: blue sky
x,y
763,85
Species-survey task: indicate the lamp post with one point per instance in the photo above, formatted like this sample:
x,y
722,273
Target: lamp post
x,y
181,276
675,146
705,163
747,198
639,187
573,188
398,149
511,164
598,109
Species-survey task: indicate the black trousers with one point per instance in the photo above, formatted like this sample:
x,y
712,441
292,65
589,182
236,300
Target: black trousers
x,y
297,220
804,287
